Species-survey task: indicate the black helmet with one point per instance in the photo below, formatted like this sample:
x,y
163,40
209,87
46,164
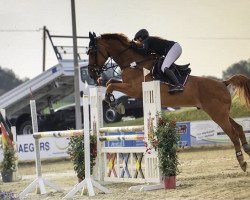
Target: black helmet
x,y
143,33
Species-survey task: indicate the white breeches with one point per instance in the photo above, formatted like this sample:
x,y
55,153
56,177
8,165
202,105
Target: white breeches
x,y
173,54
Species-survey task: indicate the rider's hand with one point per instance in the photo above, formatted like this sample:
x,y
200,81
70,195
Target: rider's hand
x,y
133,45
99,81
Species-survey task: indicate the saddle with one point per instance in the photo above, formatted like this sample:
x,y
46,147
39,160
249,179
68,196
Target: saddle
x,y
181,71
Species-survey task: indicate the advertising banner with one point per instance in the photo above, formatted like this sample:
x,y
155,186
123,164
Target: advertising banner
x,y
208,132
183,128
192,134
124,143
49,147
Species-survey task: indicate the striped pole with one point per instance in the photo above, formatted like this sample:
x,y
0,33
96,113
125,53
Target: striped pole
x,y
122,129
121,137
58,134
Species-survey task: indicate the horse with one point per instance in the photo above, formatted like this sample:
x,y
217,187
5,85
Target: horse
x,y
212,96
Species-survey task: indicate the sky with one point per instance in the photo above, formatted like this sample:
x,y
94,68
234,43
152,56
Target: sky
x,y
214,34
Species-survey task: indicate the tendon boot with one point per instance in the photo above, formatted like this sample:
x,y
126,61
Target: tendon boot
x,y
176,87
110,99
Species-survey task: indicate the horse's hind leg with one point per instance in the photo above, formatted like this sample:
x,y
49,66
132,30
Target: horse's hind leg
x,y
222,119
242,136
233,135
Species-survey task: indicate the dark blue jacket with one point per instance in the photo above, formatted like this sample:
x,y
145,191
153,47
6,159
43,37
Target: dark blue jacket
x,y
156,45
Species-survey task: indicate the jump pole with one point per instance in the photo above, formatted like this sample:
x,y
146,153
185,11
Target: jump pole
x,y
88,183
39,183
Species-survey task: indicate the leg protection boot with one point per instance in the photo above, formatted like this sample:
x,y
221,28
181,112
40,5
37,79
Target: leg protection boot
x,y
177,87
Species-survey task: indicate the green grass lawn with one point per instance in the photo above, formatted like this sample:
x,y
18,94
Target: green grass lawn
x,y
191,114
184,114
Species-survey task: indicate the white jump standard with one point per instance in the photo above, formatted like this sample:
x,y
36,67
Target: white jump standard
x,y
39,182
128,164
87,183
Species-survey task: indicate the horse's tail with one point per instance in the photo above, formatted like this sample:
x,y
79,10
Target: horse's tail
x,y
242,87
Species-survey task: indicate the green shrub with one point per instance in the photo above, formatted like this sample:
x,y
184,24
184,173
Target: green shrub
x,y
76,151
165,140
8,163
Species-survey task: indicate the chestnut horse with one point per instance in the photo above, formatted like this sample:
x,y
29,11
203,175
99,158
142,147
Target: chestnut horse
x,y
212,96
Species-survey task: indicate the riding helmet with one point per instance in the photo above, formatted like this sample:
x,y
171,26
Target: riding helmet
x,y
143,33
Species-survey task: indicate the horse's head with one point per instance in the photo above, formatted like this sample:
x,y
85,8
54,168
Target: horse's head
x,y
115,45
98,55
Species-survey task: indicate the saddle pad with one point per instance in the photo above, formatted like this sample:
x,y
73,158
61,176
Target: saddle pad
x,y
181,75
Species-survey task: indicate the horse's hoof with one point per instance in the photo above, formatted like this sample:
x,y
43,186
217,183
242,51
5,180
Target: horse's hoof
x,y
113,104
244,166
106,100
109,98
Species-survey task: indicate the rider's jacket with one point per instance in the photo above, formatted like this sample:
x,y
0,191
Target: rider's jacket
x,y
156,45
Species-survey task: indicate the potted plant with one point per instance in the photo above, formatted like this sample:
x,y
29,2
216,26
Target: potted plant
x,y
76,152
165,140
8,164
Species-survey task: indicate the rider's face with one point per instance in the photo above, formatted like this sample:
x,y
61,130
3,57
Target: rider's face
x,y
140,39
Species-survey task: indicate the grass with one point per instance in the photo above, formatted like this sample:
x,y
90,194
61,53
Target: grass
x,y
184,114
137,121
192,114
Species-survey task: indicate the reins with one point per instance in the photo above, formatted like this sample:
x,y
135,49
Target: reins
x,y
135,64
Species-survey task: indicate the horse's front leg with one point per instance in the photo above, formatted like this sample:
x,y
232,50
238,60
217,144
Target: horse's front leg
x,y
125,88
113,81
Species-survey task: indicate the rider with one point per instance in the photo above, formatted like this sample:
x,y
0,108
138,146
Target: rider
x,y
170,49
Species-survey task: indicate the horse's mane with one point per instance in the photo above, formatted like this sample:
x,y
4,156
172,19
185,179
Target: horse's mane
x,y
117,36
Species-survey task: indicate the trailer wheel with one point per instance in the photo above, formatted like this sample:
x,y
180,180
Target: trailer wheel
x,y
26,128
110,115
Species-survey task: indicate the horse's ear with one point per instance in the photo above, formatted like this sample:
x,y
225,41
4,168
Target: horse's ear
x,y
91,36
94,34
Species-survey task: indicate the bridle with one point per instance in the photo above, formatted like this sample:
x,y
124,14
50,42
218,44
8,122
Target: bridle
x,y
95,68
93,49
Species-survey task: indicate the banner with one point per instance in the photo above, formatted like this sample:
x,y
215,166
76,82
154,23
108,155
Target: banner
x,y
183,128
49,147
192,134
208,132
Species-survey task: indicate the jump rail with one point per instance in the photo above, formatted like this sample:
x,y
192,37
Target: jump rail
x,y
122,137
121,129
57,134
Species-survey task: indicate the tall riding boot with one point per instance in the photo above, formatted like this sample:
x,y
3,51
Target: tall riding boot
x,y
177,86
